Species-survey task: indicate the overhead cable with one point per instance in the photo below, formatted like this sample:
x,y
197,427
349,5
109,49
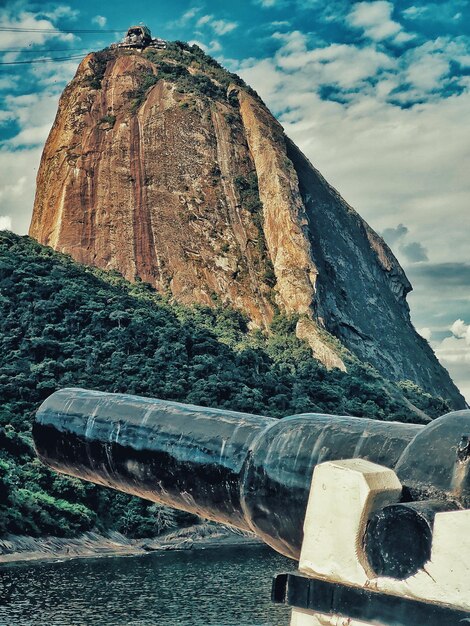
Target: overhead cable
x,y
30,50
45,60
62,31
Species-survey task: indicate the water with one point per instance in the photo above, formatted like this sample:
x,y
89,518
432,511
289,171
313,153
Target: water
x,y
213,587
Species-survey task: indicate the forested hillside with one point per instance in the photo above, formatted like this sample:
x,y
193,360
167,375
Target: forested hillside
x,y
63,324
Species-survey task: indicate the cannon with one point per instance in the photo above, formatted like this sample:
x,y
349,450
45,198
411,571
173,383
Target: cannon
x,y
385,486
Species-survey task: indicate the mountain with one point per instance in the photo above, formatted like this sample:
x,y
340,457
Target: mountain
x,y
63,324
164,166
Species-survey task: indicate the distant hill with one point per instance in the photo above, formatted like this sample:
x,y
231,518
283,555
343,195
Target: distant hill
x,y
166,167
64,324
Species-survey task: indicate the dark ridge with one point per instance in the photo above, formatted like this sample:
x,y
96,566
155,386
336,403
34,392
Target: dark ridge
x,y
63,324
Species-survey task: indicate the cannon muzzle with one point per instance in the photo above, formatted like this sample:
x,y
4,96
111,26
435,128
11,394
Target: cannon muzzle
x,y
249,471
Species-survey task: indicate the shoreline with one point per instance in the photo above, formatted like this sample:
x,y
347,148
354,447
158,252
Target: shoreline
x,y
20,549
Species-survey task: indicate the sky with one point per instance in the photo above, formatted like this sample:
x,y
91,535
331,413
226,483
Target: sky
x,y
376,93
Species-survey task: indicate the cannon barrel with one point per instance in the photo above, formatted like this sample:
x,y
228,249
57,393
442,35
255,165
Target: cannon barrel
x,y
249,471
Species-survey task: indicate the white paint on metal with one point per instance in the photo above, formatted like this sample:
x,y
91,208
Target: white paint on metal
x,y
343,495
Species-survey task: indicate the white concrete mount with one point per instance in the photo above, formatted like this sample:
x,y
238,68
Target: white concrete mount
x,y
343,495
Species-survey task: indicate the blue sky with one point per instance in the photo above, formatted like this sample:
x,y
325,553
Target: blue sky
x,y
376,93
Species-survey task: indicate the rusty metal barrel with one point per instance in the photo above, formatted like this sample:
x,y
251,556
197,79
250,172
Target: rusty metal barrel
x,y
250,471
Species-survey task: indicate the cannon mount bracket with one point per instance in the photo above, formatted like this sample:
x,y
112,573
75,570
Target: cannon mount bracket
x,y
337,585
320,596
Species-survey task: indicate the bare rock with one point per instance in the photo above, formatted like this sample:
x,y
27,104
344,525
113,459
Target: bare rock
x,y
202,195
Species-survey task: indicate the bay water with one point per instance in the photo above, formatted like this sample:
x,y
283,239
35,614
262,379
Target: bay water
x,y
224,586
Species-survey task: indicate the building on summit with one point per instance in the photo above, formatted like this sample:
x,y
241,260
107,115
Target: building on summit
x,y
140,37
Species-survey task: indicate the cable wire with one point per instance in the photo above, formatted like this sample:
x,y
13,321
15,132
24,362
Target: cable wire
x,y
6,50
61,31
45,60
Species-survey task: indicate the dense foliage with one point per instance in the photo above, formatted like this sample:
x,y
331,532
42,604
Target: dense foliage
x,y
207,77
98,66
189,67
62,324
248,192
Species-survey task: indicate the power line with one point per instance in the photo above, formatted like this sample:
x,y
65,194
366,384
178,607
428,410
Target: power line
x,y
6,50
61,31
45,60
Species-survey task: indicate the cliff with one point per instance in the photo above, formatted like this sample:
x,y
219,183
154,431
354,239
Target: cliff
x,y
164,166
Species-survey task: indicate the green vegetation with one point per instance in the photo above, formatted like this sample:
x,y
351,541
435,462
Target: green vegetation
x,y
181,53
63,324
189,67
147,80
425,401
198,84
248,191
98,67
108,119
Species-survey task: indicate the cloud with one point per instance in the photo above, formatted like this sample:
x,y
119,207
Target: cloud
x,y
445,277
14,190
19,157
6,116
211,48
453,350
413,12
420,74
375,19
436,12
393,235
9,18
343,65
33,136
190,14
8,83
461,330
441,295
414,252
100,20
62,11
205,19
34,114
53,76
17,185
454,353
207,26
270,4
220,27
29,103
332,10
394,163
428,70
5,222
425,332
430,67
277,24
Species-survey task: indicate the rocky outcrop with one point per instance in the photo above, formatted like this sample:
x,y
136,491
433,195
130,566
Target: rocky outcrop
x,y
15,548
164,167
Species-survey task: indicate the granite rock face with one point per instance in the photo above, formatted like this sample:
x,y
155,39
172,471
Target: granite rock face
x,y
163,166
